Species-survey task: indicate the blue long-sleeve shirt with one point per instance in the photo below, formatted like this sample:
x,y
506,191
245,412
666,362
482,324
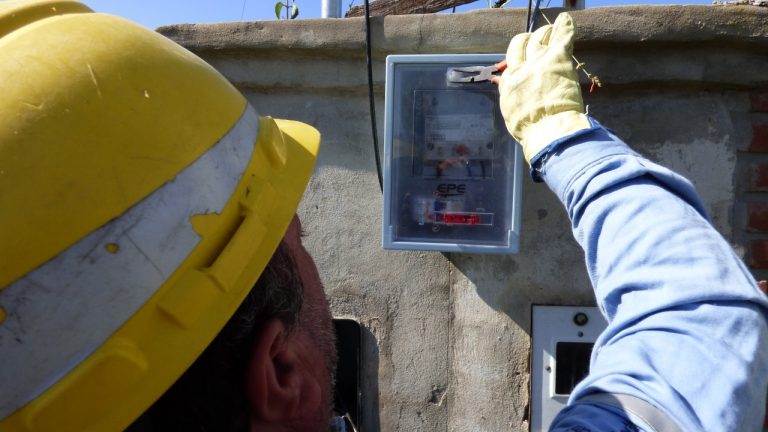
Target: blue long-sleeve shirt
x,y
688,327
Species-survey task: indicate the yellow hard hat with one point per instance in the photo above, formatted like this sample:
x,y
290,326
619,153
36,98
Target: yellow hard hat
x,y
140,199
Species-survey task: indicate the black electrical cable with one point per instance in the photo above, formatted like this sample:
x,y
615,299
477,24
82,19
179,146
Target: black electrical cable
x,y
535,15
528,18
370,95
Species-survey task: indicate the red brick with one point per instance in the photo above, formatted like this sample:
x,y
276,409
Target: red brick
x,y
759,138
758,178
760,101
757,217
759,254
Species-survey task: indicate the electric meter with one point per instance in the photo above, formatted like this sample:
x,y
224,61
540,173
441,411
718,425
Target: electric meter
x,y
452,173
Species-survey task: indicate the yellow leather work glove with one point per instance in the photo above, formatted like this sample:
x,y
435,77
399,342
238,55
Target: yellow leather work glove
x,y
540,94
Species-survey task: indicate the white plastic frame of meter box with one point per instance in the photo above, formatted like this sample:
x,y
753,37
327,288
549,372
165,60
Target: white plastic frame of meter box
x,y
452,173
563,337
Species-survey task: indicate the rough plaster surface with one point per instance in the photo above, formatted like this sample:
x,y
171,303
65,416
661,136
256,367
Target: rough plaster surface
x,y
446,337
480,30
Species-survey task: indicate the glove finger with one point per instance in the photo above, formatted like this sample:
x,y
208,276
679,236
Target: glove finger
x,y
516,51
563,31
539,41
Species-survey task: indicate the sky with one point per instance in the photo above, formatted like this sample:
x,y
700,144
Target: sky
x,y
154,13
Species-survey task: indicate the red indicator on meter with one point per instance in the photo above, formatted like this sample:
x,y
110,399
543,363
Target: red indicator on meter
x,y
461,219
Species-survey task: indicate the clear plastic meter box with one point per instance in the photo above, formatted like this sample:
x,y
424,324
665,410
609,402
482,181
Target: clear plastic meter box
x,y
452,173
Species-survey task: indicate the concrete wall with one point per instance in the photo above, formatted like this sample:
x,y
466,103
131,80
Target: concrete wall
x,y
447,335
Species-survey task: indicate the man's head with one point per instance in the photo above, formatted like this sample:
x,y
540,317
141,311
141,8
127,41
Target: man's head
x,y
142,198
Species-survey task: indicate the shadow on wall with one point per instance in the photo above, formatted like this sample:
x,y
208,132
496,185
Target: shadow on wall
x,y
496,279
549,270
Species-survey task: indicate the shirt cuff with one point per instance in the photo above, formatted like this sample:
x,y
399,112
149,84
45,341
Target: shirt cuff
x,y
540,157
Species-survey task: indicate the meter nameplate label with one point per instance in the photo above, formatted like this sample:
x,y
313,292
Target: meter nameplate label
x,y
464,136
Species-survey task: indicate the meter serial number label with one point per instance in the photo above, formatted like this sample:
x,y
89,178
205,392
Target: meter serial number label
x,y
462,136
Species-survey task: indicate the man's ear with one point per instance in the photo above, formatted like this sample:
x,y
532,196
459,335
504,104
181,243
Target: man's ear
x,y
274,376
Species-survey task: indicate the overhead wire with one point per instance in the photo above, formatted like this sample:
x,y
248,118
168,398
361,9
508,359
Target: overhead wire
x,y
371,99
528,17
532,21
594,79
242,12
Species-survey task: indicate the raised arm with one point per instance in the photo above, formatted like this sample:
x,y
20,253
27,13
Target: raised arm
x,y
686,347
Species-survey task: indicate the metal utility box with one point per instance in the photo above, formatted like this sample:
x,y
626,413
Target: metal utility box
x,y
452,172
563,337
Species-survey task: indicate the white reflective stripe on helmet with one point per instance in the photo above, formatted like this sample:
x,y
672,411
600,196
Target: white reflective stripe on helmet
x,y
111,272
